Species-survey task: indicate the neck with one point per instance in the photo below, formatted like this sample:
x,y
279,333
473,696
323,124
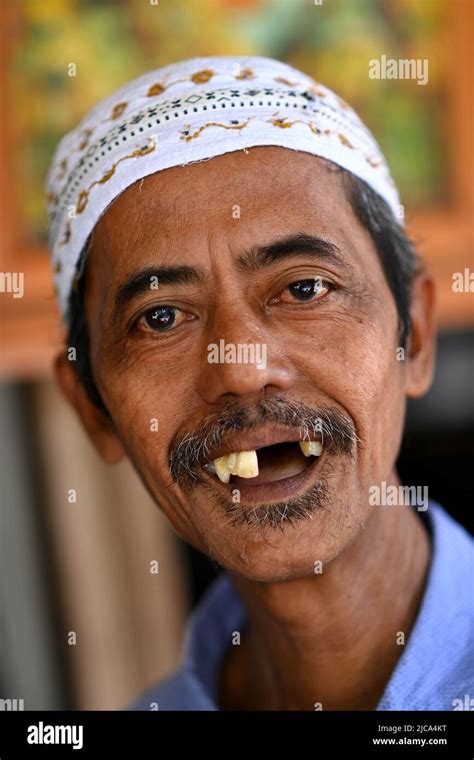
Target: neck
x,y
331,641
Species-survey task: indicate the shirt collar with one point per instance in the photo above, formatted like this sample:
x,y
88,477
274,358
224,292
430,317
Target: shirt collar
x,y
443,626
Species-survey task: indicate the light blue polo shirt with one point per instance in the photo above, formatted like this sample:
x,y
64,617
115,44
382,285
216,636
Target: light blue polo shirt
x,y
435,670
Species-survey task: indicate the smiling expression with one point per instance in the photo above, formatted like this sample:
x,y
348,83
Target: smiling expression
x,y
248,248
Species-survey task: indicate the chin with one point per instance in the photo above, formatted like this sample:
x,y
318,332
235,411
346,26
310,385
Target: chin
x,y
274,554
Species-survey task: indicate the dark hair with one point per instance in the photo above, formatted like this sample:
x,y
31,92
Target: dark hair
x,y
395,250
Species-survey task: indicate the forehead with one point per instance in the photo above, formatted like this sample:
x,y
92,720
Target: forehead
x,y
244,194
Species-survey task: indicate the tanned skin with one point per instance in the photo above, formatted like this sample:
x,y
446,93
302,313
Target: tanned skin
x,y
330,637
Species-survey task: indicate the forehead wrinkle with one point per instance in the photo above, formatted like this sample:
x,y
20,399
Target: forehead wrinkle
x,y
163,202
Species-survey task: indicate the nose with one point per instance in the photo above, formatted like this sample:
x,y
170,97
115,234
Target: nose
x,y
242,360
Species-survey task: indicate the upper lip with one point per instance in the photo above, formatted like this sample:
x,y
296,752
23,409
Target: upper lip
x,y
257,439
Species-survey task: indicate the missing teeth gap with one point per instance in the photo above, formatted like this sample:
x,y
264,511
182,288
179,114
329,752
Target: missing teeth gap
x,y
244,464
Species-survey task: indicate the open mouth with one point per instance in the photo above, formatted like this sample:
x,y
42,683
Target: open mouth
x,y
265,464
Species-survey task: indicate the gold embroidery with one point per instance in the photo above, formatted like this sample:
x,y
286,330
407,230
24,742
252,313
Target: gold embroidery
x,y
282,80
187,137
118,110
202,76
82,201
138,153
345,141
283,123
199,77
372,162
66,239
318,90
155,89
246,73
62,169
86,133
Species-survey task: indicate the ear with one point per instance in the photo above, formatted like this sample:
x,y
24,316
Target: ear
x,y
99,428
421,347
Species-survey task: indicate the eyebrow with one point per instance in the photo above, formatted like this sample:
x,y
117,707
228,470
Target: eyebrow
x,y
140,282
291,246
256,258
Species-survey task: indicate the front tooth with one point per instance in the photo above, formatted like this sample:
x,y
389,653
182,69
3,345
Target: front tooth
x,y
222,469
241,463
232,463
311,448
247,464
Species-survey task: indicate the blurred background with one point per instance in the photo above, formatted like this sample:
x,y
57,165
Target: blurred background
x,y
84,624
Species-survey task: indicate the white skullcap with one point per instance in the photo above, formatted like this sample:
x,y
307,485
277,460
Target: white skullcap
x,y
189,111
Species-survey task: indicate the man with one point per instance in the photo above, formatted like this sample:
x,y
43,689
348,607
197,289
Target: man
x,y
249,319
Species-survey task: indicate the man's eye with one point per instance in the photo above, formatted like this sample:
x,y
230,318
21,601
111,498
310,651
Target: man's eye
x,y
160,319
304,290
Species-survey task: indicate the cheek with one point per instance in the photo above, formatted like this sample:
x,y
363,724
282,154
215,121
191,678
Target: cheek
x,y
144,412
353,361
141,382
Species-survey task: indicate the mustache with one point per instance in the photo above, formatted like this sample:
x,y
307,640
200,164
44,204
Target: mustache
x,y
337,432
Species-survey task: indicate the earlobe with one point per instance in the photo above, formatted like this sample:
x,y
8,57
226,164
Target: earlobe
x,y
421,345
97,425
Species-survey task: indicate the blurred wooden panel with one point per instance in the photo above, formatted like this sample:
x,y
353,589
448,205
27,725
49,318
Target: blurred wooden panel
x,y
128,622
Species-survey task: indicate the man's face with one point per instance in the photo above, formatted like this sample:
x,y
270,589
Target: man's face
x,y
234,242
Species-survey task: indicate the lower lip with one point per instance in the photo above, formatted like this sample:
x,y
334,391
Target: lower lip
x,y
278,490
